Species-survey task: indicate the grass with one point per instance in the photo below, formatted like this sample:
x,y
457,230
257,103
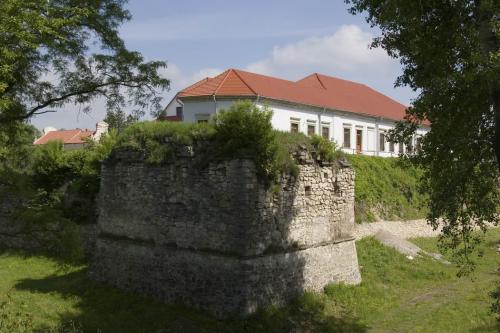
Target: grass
x,y
386,188
396,295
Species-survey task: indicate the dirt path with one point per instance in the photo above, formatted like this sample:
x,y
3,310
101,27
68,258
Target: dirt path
x,y
403,229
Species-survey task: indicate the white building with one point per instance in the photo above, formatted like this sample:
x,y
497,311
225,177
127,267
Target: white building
x,y
353,115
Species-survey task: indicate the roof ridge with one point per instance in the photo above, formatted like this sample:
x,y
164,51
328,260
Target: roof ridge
x,y
319,80
76,134
196,84
268,76
223,80
341,79
243,80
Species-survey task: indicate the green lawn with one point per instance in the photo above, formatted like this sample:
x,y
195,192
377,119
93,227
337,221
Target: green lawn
x,y
397,295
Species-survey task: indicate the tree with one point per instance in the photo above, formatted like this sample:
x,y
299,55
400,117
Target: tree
x,y
118,119
49,58
450,54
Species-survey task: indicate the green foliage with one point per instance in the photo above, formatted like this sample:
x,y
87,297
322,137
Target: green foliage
x,y
15,145
41,39
156,139
450,54
118,120
55,189
396,295
51,166
387,188
327,149
495,306
288,143
244,130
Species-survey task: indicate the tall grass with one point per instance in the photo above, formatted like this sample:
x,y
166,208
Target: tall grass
x,y
387,188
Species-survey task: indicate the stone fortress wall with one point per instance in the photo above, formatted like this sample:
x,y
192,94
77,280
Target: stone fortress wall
x,y
216,238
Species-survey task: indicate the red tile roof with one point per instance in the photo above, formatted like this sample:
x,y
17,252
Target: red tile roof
x,y
66,136
316,90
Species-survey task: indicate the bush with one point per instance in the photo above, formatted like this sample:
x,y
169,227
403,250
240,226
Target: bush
x,y
326,149
51,166
242,131
387,188
155,139
54,187
246,131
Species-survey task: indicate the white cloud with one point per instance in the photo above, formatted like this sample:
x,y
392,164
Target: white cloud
x,y
345,50
345,53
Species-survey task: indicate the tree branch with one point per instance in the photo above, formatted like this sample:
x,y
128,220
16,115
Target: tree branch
x,y
65,96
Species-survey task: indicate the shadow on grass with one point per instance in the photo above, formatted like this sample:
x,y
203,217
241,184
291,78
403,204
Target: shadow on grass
x,y
106,309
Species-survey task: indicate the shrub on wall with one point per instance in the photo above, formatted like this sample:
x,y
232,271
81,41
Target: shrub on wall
x,y
156,139
387,188
242,131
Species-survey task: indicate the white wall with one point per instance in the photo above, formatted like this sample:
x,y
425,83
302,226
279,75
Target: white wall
x,y
170,110
286,113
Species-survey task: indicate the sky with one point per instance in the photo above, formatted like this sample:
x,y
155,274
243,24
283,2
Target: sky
x,y
284,38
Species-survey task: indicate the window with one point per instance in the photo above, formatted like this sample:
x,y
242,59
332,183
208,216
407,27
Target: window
x,y
311,128
294,125
325,130
359,140
178,112
347,137
382,141
308,190
391,147
202,118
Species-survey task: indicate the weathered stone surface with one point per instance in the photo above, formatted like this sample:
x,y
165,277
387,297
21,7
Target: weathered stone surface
x,y
222,284
224,207
215,238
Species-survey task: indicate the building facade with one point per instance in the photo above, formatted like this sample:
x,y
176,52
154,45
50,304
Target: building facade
x,y
354,116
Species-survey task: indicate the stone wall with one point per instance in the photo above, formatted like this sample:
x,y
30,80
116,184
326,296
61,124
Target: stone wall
x,y
214,237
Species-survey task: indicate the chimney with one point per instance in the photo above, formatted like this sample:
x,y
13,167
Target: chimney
x,y
100,129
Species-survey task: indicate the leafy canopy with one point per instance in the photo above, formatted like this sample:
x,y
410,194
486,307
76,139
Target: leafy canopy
x,y
55,52
450,54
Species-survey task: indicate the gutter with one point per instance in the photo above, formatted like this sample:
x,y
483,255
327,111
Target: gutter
x,y
215,103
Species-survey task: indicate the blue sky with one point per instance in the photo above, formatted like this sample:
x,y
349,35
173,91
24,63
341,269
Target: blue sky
x,y
284,38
